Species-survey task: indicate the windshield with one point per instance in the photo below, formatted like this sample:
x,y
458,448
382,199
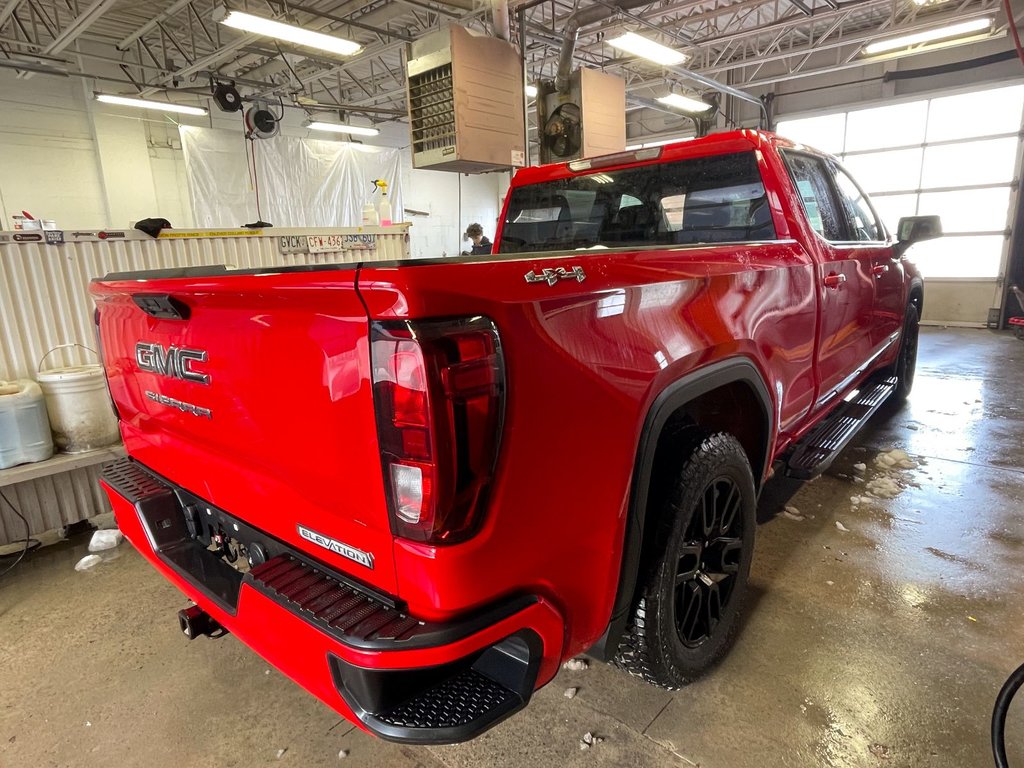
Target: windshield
x,y
718,199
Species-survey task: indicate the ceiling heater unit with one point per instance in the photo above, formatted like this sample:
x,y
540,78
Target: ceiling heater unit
x,y
586,120
465,95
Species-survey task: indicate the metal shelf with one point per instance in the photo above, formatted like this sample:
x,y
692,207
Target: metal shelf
x,y
60,462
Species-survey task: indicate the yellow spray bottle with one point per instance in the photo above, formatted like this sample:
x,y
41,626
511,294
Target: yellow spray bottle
x,y
383,205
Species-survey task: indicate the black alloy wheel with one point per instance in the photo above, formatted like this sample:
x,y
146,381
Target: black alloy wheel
x,y
694,578
709,562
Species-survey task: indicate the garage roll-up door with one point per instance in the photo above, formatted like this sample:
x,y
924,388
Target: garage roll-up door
x,y
955,155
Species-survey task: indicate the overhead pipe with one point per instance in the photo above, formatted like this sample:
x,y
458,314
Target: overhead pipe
x,y
571,30
29,66
521,18
642,102
316,104
43,69
500,19
699,120
595,13
717,86
446,12
350,22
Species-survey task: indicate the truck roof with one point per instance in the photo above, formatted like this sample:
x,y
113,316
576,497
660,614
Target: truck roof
x,y
717,143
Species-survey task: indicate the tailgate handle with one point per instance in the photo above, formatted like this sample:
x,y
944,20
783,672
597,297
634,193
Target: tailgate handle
x,y
162,305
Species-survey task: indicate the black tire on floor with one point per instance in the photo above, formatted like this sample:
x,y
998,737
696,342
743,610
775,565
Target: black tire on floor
x,y
906,359
687,610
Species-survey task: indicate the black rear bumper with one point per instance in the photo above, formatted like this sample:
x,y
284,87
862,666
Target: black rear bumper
x,y
444,703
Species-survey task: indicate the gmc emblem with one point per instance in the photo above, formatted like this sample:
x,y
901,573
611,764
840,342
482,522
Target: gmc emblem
x,y
175,362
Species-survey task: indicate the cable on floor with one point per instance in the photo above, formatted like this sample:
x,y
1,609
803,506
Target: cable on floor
x,y
30,543
1003,701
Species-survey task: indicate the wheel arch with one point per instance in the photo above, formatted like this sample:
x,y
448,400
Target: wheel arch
x,y
682,399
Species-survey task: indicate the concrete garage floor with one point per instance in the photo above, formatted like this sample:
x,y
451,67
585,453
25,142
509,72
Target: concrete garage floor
x,y
882,645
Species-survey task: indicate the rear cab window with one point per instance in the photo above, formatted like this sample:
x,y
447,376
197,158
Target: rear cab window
x,y
713,199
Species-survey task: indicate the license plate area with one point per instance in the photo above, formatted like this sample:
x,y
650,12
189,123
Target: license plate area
x,y
239,545
242,547
209,548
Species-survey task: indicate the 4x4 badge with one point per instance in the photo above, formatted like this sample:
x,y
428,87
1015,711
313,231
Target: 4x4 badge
x,y
552,276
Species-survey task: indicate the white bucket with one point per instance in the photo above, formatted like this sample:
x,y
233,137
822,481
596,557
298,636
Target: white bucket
x,y
24,428
81,415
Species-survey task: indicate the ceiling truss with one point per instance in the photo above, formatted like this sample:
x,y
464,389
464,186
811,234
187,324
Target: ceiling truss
x,y
155,46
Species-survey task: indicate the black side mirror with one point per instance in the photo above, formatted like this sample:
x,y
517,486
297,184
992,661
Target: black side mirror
x,y
914,229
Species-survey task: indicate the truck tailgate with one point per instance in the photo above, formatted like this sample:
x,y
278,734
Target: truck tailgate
x,y
253,392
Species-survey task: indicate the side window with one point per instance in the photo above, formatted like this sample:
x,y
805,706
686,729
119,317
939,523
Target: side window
x,y
809,176
861,220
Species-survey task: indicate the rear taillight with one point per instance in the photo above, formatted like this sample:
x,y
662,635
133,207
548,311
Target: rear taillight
x,y
439,392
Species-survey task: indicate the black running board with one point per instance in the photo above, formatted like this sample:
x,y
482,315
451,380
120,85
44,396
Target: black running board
x,y
816,452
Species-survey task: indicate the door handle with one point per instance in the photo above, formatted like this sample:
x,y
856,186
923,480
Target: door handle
x,y
834,280
879,269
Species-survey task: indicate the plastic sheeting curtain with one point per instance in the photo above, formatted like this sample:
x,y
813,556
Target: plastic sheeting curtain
x,y
302,182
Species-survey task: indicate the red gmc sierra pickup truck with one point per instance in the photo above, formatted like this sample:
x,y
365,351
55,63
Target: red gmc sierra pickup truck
x,y
416,488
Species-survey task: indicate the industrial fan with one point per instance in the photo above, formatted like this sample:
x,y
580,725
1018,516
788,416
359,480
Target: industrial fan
x,y
585,118
563,131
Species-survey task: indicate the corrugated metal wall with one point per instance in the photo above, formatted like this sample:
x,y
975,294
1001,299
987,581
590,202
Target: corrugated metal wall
x,y
53,502
44,298
44,302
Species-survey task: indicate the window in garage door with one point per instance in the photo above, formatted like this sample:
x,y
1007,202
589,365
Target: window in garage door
x,y
955,156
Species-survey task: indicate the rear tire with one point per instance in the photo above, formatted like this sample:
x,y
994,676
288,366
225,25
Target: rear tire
x,y
687,610
906,359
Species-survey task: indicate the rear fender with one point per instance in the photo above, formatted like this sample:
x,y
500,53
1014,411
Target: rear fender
x,y
673,397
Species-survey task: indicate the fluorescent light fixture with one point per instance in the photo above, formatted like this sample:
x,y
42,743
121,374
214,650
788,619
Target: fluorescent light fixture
x,y
684,103
290,33
163,106
356,130
531,91
930,35
645,48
